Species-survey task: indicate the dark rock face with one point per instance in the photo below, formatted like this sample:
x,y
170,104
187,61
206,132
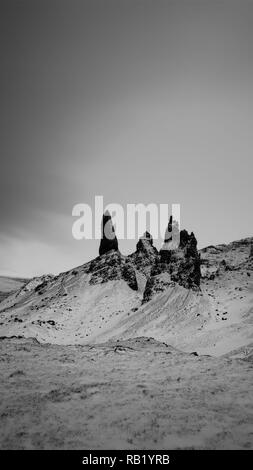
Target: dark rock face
x,y
145,242
145,255
185,238
251,251
105,268
184,265
108,238
158,281
110,267
128,274
168,232
180,265
172,240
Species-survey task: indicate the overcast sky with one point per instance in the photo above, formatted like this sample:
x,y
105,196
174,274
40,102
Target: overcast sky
x,y
138,101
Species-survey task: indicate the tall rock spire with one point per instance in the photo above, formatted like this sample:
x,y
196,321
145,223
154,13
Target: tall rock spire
x,y
168,231
108,238
171,240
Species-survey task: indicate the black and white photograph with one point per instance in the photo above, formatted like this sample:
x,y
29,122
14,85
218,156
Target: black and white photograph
x,y
126,233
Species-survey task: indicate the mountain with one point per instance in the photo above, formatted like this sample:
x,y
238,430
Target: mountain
x,y
193,300
148,351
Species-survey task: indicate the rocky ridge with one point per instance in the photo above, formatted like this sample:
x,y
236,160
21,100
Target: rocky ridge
x,y
192,300
161,269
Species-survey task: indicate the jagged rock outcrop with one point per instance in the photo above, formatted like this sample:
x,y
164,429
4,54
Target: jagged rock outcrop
x,y
185,262
168,232
110,267
251,251
177,262
175,265
129,275
145,255
108,238
158,281
145,243
171,241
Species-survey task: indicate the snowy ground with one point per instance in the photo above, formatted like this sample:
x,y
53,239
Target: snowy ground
x,y
129,394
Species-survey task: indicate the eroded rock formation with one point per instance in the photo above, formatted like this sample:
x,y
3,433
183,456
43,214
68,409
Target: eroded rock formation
x,y
110,267
178,261
179,264
145,255
108,238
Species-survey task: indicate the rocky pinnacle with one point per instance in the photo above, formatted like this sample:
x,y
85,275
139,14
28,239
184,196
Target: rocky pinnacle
x,y
108,238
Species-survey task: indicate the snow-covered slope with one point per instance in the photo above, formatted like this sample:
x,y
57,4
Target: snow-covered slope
x,y
99,301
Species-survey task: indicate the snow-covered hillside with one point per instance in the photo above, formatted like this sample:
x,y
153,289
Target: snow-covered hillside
x,y
99,301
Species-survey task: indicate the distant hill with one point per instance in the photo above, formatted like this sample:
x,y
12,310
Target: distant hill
x,y
9,285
